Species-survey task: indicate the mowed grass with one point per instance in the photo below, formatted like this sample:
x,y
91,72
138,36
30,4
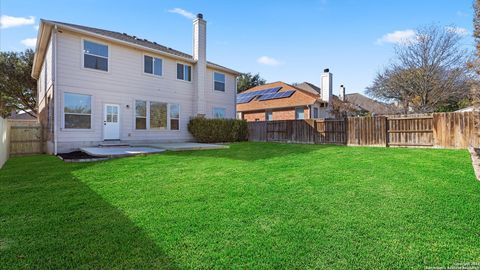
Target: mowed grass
x,y
253,206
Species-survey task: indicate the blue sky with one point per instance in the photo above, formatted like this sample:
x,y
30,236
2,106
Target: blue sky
x,y
290,41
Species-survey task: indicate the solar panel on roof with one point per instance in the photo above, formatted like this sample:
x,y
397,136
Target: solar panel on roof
x,y
277,95
247,97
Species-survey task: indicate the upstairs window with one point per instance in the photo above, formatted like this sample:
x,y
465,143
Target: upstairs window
x,y
184,72
315,112
218,112
95,55
152,65
219,81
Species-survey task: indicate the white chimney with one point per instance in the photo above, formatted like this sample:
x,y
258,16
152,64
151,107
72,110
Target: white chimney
x,y
326,85
341,93
200,69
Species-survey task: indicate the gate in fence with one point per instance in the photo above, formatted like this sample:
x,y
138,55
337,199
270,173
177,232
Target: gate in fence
x,y
444,130
26,137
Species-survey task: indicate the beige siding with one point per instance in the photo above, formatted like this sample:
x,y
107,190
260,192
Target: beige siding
x,y
124,83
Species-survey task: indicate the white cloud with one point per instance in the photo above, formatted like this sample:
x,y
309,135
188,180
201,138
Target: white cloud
x,y
36,27
398,37
269,61
462,14
10,21
183,12
29,42
458,30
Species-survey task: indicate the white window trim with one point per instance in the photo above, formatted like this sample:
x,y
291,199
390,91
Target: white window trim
x,y
224,83
82,46
191,72
153,67
63,113
148,128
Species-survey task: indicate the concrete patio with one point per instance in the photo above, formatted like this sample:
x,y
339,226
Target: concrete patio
x,y
120,151
187,146
123,150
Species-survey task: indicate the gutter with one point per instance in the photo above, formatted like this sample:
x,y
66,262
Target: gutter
x,y
55,100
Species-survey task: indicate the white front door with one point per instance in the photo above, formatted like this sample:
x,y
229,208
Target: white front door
x,y
111,122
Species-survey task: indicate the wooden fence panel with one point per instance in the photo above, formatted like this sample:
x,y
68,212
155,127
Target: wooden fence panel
x,y
369,131
330,131
26,137
257,131
456,130
410,131
443,130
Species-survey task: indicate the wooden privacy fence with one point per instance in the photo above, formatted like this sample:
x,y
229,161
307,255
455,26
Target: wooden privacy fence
x,y
26,137
443,130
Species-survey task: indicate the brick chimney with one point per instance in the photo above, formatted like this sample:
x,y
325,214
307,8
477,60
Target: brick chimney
x,y
326,85
200,69
341,93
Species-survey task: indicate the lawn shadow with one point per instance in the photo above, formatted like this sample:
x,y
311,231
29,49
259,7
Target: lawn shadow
x,y
51,220
249,151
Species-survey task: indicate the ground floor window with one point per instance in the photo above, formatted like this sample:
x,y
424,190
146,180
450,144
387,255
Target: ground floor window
x,y
77,110
299,113
269,116
174,117
218,112
140,114
156,115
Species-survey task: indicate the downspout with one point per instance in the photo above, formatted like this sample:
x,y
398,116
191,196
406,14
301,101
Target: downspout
x,y
55,100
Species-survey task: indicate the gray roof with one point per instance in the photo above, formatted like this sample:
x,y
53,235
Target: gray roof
x,y
371,105
309,87
131,39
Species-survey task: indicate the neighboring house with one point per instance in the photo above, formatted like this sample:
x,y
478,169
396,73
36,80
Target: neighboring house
x,y
371,106
468,109
97,85
281,101
22,115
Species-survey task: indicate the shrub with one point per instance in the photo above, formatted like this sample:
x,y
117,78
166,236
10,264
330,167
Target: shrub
x,y
218,130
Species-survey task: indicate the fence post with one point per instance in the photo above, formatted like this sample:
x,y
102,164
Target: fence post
x,y
387,134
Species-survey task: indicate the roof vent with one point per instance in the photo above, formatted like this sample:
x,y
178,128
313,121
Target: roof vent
x,y
200,16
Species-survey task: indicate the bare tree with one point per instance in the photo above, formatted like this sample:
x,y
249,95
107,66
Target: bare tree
x,y
429,71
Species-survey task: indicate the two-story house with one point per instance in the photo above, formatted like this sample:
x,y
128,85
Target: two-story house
x,y
96,85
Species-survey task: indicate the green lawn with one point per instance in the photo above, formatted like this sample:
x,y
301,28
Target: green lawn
x,y
253,206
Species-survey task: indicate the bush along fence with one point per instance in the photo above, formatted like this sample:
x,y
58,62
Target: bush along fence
x,y
440,130
218,130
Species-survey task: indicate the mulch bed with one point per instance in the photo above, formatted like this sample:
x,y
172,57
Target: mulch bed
x,y
79,156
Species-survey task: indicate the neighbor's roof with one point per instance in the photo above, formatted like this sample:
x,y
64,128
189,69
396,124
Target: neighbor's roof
x,y
133,40
299,98
310,87
371,105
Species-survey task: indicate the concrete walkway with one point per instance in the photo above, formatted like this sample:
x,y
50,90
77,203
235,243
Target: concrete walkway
x,y
188,146
125,150
120,151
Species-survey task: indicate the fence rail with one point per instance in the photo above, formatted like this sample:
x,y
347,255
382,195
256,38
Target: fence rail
x,y
442,130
